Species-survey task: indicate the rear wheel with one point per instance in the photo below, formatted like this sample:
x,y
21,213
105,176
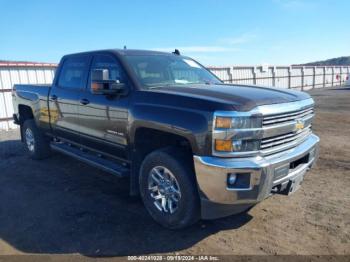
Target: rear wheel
x,y
36,144
168,189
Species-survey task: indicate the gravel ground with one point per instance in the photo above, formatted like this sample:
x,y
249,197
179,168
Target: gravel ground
x,y
61,206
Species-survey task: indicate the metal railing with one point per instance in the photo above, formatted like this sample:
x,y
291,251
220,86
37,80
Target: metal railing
x,y
295,77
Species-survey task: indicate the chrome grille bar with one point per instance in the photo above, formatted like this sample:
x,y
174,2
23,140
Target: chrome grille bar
x,y
284,139
282,118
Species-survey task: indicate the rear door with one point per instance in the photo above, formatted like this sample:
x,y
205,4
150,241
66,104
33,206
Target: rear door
x,y
104,118
64,96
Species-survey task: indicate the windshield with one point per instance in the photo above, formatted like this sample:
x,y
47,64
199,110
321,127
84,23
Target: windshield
x,y
163,70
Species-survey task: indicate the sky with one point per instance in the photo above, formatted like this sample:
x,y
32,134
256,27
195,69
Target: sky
x,y
214,32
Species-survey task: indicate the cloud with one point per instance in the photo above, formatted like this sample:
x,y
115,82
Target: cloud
x,y
198,49
242,39
226,44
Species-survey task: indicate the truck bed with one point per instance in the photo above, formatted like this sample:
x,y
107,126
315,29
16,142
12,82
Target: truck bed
x,y
31,91
35,97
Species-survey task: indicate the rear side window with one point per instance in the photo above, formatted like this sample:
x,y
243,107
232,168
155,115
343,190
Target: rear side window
x,y
74,72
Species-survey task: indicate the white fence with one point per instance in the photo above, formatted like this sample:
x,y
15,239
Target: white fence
x,y
296,77
19,73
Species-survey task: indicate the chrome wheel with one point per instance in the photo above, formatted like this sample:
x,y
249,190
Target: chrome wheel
x,y
29,139
164,189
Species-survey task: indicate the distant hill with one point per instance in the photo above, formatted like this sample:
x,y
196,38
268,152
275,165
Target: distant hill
x,y
27,63
11,61
344,60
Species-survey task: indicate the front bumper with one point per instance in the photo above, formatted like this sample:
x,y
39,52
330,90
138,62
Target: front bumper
x,y
266,173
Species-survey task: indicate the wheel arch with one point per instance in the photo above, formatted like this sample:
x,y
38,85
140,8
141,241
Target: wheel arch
x,y
25,112
147,140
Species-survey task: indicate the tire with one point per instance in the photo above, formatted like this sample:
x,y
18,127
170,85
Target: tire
x,y
36,144
180,214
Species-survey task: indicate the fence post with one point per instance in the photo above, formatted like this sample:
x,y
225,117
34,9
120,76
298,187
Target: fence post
x,y
274,76
302,78
231,74
324,77
314,78
290,77
332,76
254,75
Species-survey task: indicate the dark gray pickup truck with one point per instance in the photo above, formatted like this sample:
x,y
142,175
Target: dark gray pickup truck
x,y
192,146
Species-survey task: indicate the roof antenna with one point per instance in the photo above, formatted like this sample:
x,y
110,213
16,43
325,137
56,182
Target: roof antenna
x,y
176,52
125,47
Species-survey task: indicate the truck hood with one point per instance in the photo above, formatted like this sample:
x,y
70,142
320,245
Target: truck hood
x,y
242,97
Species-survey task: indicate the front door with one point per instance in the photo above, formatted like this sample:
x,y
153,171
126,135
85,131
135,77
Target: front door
x,y
104,118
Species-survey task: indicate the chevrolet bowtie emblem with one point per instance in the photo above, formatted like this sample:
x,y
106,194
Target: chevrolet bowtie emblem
x,y
299,124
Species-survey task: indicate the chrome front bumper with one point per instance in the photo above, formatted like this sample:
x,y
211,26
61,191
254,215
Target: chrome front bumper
x,y
219,200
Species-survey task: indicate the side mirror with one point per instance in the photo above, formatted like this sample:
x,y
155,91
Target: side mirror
x,y
102,85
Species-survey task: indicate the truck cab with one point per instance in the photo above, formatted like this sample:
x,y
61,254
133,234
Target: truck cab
x,y
192,146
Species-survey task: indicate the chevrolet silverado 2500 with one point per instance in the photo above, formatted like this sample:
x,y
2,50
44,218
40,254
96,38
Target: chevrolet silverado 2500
x,y
192,146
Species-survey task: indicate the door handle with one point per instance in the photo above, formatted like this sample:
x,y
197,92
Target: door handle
x,y
84,101
54,97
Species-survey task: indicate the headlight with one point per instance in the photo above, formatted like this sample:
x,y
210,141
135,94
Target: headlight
x,y
236,133
237,122
223,122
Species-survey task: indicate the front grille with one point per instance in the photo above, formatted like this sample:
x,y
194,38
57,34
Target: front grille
x,y
277,119
278,143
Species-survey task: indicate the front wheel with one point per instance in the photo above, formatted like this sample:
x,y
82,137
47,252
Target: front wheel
x,y
168,189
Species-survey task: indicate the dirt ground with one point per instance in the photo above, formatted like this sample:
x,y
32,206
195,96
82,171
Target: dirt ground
x,y
61,206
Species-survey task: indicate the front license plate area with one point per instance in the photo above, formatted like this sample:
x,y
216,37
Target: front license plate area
x,y
295,184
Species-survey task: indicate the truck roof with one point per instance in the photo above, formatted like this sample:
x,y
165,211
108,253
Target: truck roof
x,y
125,52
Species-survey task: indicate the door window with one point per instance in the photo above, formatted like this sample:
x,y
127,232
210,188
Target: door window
x,y
74,72
115,70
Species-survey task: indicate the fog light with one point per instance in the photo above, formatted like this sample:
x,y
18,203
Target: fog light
x,y
231,179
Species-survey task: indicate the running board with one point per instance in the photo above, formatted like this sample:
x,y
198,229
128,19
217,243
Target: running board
x,y
91,159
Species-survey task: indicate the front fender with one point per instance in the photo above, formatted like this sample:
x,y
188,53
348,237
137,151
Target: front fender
x,y
191,124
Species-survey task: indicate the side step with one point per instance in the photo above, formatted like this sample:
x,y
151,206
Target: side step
x,y
91,159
